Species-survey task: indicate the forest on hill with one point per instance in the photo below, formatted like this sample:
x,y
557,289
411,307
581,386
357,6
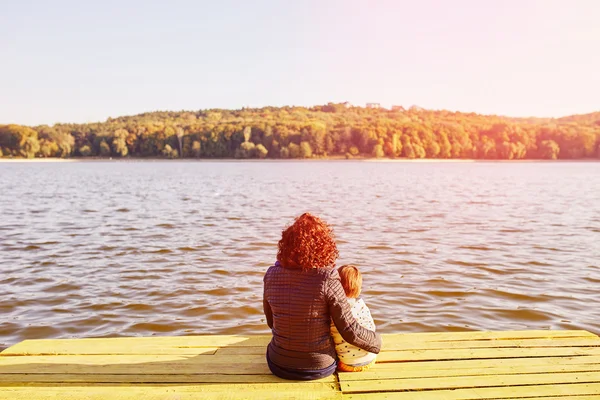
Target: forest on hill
x,y
320,131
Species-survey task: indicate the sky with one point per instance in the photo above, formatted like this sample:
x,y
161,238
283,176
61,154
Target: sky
x,y
85,61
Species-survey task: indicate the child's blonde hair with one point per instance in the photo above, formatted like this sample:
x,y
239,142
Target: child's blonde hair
x,y
351,280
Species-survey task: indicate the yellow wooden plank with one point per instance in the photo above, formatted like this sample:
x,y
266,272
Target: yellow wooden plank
x,y
134,364
236,351
488,335
457,354
280,384
533,392
17,350
486,363
577,397
218,366
267,377
390,345
172,368
164,394
396,345
468,382
189,344
296,390
135,345
376,374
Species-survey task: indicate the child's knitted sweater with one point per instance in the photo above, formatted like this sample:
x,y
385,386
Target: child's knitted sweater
x,y
348,354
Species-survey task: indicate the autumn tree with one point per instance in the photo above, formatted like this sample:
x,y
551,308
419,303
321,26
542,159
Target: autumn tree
x,y
19,140
119,143
284,152
196,147
305,150
48,148
261,151
549,150
246,150
298,132
294,150
85,151
104,149
179,132
167,151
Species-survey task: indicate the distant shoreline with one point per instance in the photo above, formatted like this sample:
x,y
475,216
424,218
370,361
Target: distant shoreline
x,y
362,159
323,132
136,159
44,160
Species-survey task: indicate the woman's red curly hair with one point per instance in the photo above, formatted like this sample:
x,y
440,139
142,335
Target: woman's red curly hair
x,y
307,243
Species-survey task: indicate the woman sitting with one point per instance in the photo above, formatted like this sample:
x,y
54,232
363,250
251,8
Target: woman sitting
x,y
302,295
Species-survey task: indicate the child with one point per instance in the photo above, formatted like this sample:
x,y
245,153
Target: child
x,y
351,358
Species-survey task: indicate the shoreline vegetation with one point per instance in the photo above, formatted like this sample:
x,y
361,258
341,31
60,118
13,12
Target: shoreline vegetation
x,y
314,159
336,131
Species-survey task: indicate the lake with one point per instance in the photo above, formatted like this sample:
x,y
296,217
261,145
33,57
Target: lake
x,y
96,249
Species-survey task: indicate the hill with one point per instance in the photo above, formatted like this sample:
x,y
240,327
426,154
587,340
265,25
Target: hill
x,y
319,131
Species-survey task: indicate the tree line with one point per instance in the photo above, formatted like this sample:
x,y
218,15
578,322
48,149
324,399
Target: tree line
x,y
320,131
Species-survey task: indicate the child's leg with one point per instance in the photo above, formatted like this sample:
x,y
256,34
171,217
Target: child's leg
x,y
354,368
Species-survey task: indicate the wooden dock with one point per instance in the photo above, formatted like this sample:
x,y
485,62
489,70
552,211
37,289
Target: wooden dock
x,y
536,365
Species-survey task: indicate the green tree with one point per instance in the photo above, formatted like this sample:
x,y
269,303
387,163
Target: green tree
x,y
186,147
167,151
378,151
54,142
179,132
85,151
294,150
261,151
246,150
284,152
247,133
104,149
329,130
275,150
65,142
30,148
305,150
48,148
21,140
168,132
317,138
196,148
119,143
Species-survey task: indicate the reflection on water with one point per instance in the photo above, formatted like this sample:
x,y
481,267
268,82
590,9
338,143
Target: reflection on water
x,y
170,248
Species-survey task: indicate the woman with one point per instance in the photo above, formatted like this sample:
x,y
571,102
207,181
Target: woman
x,y
302,294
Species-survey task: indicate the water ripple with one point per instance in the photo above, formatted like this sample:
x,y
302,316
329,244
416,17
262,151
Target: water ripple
x,y
141,248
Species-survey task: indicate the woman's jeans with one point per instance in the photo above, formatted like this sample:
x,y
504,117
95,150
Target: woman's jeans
x,y
302,374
